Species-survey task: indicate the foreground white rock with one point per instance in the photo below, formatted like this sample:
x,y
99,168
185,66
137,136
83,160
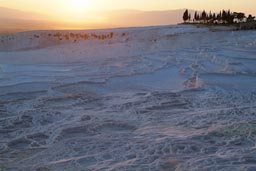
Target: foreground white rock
x,y
155,98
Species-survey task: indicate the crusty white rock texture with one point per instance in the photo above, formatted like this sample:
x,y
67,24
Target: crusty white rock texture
x,y
171,98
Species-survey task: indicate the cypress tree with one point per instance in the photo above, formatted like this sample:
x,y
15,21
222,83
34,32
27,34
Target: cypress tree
x,y
195,16
185,16
204,16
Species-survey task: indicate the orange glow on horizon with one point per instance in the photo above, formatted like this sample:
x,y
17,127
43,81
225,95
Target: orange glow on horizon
x,y
100,11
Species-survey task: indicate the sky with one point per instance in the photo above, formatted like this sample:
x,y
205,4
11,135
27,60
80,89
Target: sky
x,y
66,9
60,8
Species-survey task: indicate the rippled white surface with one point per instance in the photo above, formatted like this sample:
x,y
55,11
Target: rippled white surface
x,y
160,98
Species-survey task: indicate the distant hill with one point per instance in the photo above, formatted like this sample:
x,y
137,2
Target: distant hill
x,y
146,18
15,20
7,13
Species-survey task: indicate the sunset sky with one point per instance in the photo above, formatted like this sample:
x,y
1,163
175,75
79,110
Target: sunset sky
x,y
23,15
67,9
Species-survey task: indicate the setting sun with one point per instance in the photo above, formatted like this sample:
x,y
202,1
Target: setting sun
x,y
114,12
78,5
